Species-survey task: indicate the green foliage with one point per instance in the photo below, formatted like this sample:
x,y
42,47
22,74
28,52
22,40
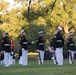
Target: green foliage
x,y
43,15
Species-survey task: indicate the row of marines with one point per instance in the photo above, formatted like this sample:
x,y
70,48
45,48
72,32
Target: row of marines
x,y
56,47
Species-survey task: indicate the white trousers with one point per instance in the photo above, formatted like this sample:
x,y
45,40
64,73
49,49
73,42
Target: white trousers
x,y
6,59
71,57
41,57
2,62
20,60
11,60
54,58
59,55
24,57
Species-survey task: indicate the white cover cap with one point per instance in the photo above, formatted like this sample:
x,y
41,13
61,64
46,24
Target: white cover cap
x,y
59,28
22,31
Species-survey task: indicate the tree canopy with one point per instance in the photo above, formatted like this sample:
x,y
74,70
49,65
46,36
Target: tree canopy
x,y
43,15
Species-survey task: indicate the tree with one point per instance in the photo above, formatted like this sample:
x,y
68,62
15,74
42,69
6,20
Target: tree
x,y
64,14
13,21
44,15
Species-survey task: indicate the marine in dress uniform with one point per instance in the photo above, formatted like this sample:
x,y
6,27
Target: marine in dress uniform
x,y
53,48
40,43
59,43
6,45
71,48
24,47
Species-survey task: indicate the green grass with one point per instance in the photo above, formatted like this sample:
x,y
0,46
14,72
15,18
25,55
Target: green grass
x,y
48,68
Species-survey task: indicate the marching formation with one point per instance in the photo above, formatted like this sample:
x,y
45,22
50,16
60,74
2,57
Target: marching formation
x,y
7,56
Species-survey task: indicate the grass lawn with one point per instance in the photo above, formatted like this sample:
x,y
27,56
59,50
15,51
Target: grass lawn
x,y
48,68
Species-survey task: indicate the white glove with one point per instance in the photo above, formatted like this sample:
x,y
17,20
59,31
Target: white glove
x,y
32,42
68,50
12,53
37,50
22,49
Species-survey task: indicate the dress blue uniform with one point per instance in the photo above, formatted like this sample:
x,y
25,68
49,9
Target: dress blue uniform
x,y
24,48
40,47
59,43
6,45
71,48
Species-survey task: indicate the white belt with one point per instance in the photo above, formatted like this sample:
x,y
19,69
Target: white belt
x,y
59,40
25,43
6,44
71,44
41,43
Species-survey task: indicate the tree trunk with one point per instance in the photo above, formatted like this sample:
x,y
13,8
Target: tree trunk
x,y
66,30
